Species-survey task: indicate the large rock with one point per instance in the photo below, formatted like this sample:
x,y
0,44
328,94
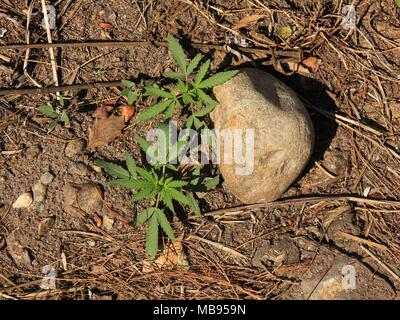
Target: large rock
x,y
283,134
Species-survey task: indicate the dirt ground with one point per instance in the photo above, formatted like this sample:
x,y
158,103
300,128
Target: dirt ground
x,y
341,214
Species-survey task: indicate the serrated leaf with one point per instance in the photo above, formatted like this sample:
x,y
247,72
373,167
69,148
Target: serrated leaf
x,y
177,184
157,92
211,183
189,122
143,216
167,199
197,123
165,225
171,167
177,52
183,88
113,169
145,174
132,97
174,75
152,237
145,193
47,110
153,111
204,111
206,98
126,183
217,79
170,110
177,195
127,83
144,145
194,63
131,164
64,118
51,125
202,72
193,204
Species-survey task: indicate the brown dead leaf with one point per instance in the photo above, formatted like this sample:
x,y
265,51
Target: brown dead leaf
x,y
104,25
127,112
105,130
103,112
172,256
46,225
312,63
247,20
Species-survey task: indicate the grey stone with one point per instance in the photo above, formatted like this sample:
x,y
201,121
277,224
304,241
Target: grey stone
x,y
283,134
46,178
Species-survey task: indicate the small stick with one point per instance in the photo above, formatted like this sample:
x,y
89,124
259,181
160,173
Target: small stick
x,y
51,49
383,265
47,90
219,246
348,236
123,44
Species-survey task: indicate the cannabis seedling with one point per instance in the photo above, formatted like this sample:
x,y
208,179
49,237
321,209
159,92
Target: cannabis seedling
x,y
190,89
56,114
161,186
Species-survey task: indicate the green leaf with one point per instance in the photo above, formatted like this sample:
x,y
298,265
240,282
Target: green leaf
x,y
217,79
61,101
193,204
145,174
157,92
189,122
398,3
211,183
112,169
165,225
197,123
145,193
131,164
177,52
174,75
51,125
153,111
143,216
194,63
202,72
177,195
64,118
170,110
144,145
128,83
196,175
126,183
47,110
204,111
131,97
183,87
177,184
167,199
125,92
171,167
285,32
152,237
206,98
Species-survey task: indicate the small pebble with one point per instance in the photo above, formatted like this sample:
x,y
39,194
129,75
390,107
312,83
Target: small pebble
x,y
39,192
23,201
46,178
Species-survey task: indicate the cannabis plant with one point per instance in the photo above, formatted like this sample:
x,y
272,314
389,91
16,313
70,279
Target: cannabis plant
x,y
163,185
190,89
